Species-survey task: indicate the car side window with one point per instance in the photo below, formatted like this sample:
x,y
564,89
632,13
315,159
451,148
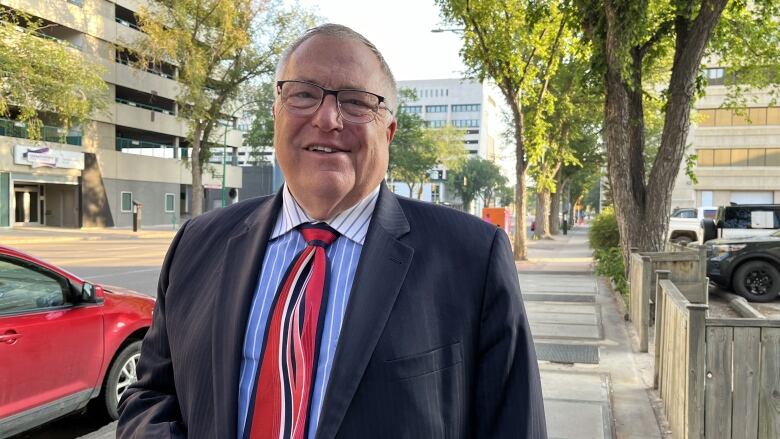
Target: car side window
x,y
23,287
737,218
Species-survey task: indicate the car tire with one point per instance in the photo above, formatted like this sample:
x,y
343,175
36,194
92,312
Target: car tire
x,y
757,281
121,375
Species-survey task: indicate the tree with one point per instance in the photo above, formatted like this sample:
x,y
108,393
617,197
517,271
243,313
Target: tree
x,y
260,137
417,150
475,177
516,43
220,46
42,78
633,39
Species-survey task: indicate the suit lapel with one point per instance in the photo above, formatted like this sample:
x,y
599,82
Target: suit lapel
x,y
383,264
244,257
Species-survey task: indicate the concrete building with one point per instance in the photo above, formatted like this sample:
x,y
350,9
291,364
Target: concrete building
x,y
738,151
463,103
135,151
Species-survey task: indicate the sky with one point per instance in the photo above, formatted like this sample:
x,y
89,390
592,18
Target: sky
x,y
401,30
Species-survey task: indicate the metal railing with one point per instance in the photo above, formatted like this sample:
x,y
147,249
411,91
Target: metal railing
x,y
127,23
145,106
48,133
147,70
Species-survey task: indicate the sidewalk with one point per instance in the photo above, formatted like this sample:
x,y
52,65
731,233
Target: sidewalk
x,y
594,384
43,235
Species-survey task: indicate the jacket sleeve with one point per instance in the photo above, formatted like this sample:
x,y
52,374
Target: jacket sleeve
x,y
150,407
508,388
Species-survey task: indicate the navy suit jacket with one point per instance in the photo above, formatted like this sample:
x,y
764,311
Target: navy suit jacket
x,y
435,342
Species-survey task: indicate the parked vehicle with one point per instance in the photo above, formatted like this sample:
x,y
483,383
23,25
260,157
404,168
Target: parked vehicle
x,y
63,342
742,220
685,224
750,266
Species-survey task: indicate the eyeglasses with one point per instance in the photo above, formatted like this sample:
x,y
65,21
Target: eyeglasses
x,y
303,98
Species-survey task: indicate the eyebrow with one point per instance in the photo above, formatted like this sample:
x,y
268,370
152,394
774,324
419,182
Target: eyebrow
x,y
348,87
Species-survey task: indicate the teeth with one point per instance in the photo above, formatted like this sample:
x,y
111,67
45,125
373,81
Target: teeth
x,y
320,149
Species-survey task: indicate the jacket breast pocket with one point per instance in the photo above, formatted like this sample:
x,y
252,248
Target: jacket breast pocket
x,y
424,363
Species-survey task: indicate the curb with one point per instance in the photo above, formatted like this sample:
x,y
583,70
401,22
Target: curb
x,y
23,241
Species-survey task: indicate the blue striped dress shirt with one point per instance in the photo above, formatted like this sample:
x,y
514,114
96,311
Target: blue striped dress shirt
x,y
284,244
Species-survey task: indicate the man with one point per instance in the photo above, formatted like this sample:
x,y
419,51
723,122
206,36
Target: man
x,y
335,308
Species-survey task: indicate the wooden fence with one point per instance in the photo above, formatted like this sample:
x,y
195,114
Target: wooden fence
x,y
688,267
718,378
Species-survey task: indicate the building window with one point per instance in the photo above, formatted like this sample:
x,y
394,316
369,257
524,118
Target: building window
x,y
435,108
739,157
465,108
435,194
127,202
470,142
435,123
725,117
466,123
411,109
715,76
170,199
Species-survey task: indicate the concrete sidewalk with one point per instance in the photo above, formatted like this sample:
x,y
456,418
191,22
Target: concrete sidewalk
x,y
594,384
42,234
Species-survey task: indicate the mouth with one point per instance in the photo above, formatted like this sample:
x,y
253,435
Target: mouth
x,y
324,149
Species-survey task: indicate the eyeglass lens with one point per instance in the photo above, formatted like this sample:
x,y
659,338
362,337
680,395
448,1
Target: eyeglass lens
x,y
355,106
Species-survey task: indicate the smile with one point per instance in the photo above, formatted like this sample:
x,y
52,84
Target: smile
x,y
324,149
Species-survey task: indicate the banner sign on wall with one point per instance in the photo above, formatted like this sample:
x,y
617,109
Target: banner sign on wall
x,y
47,157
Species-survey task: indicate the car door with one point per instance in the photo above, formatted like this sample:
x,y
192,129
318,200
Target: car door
x,y
50,350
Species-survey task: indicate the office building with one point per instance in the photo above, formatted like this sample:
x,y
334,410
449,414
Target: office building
x,y
476,107
738,150
135,152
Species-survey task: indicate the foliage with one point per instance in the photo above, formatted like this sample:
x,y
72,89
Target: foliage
x,y
44,78
603,233
504,196
221,47
475,177
648,57
609,263
517,44
605,242
416,150
260,137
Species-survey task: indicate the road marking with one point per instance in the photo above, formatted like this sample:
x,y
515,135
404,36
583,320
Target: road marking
x,y
98,276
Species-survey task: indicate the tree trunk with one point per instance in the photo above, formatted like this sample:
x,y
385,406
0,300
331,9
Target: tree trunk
x,y
542,229
642,209
420,191
197,173
555,205
521,238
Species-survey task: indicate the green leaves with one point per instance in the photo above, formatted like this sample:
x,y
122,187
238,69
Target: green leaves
x,y
476,177
45,78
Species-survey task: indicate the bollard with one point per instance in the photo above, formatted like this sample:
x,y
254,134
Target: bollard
x,y
137,210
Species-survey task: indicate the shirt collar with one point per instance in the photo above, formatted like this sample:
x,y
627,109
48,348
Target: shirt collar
x,y
351,223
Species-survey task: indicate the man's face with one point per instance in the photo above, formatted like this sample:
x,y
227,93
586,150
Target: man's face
x,y
339,179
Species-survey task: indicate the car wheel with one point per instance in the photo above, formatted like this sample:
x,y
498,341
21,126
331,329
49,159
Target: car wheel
x,y
120,376
757,281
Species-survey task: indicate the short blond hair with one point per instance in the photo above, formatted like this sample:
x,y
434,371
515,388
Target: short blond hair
x,y
343,32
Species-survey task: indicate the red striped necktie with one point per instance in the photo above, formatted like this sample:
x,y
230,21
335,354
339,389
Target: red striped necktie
x,y
286,374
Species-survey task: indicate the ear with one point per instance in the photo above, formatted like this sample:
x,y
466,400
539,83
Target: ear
x,y
391,130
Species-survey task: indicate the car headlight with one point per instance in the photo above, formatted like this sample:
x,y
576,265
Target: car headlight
x,y
726,248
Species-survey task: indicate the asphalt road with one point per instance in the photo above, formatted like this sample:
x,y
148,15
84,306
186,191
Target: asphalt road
x,y
129,263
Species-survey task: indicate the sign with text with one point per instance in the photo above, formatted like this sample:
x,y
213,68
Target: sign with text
x,y
47,157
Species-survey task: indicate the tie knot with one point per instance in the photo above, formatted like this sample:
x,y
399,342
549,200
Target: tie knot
x,y
319,234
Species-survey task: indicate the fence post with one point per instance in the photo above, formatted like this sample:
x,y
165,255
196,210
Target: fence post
x,y
697,367
659,321
644,304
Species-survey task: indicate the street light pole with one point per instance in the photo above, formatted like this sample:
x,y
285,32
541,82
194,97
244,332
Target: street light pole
x,y
224,163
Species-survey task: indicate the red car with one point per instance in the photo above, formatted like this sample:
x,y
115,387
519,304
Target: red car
x,y
63,342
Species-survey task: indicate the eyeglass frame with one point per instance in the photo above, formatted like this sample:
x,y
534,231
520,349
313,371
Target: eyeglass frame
x,y
327,91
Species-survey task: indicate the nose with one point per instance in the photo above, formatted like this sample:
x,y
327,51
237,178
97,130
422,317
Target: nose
x,y
327,117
